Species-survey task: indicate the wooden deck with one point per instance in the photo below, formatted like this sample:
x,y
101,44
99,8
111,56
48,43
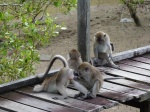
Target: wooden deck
x,y
133,90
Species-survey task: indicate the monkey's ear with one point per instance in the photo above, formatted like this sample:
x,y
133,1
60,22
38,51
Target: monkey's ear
x,y
105,35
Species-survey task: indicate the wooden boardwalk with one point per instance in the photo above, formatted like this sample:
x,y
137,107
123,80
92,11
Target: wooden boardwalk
x,y
133,90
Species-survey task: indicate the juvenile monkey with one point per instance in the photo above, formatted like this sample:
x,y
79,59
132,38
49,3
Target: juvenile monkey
x,y
91,78
102,48
59,82
74,60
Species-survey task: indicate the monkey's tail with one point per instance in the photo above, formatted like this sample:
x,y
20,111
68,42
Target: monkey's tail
x,y
65,63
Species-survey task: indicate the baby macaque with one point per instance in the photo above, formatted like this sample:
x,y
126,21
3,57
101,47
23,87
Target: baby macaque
x,y
59,82
74,60
102,49
91,78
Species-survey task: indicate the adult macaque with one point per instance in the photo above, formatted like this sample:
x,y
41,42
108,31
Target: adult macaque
x,y
91,78
59,82
74,60
102,49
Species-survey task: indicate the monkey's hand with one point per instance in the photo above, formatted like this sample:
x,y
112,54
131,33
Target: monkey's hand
x,y
90,96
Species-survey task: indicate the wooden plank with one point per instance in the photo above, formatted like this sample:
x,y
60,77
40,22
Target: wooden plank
x,y
14,106
98,100
73,103
129,83
136,64
133,69
122,89
128,75
22,82
111,94
103,102
83,16
146,56
141,59
1,110
121,97
131,53
36,103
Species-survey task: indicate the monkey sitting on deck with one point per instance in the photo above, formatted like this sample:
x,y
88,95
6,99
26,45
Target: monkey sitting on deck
x,y
59,82
91,78
103,49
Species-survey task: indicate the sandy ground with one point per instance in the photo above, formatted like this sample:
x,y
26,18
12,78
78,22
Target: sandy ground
x,y
106,18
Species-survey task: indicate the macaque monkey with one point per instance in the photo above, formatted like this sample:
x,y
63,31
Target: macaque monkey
x,y
103,49
91,78
74,60
59,82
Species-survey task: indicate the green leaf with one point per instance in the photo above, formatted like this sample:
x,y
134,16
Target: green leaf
x,y
1,15
57,4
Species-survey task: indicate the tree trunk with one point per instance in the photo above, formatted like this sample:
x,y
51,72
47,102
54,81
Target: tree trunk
x,y
132,10
133,15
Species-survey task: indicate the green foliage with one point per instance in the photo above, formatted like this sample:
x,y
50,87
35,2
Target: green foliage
x,y
133,3
23,28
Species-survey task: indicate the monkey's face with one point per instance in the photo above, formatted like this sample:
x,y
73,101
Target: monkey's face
x,y
99,40
84,69
100,37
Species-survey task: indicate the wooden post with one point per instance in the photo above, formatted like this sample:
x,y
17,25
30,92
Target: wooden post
x,y
84,29
145,106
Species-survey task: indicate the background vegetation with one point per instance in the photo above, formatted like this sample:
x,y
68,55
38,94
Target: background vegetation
x,y
26,25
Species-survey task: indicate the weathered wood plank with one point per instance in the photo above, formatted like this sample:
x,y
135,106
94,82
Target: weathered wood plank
x,y
136,64
146,56
133,69
1,110
128,75
36,103
103,102
122,89
22,82
73,103
98,100
14,106
121,97
129,83
131,53
141,59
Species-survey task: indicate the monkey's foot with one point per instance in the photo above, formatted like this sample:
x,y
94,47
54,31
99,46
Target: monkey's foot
x,y
115,66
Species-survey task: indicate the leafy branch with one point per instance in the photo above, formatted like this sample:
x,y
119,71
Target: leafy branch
x,y
22,31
